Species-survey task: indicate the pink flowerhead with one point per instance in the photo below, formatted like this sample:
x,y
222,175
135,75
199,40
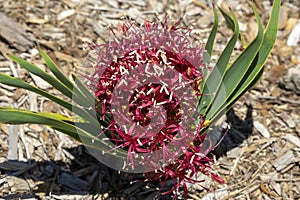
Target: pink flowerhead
x,y
147,82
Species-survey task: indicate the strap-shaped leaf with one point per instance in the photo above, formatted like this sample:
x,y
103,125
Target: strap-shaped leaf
x,y
19,116
57,122
85,92
256,69
57,84
235,73
56,71
230,22
11,81
214,80
49,115
254,81
61,76
44,75
217,116
211,39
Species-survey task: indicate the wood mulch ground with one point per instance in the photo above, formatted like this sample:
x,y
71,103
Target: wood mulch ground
x,y
259,158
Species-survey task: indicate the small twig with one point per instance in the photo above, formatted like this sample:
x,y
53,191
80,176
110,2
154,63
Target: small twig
x,y
286,180
262,148
236,162
257,171
53,182
289,101
14,70
253,187
22,137
282,99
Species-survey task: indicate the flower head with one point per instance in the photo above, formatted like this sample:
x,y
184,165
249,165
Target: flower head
x,y
147,81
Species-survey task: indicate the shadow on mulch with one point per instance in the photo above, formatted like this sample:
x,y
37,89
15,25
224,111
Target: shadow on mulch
x,y
240,130
60,178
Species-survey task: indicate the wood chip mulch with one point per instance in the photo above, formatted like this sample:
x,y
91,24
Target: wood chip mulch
x,y
259,157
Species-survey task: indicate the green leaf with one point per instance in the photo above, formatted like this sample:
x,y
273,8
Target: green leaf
x,y
256,69
238,94
214,80
230,22
58,122
11,81
57,84
44,75
77,93
211,39
18,116
56,71
46,114
83,90
235,73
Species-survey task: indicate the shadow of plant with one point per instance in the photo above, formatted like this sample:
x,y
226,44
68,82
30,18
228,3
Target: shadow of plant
x,y
82,176
86,175
240,130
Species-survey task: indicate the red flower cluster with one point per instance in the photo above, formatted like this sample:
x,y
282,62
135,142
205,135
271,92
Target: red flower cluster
x,y
147,80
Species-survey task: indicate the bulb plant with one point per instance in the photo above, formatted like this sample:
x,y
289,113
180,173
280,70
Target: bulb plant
x,y
176,151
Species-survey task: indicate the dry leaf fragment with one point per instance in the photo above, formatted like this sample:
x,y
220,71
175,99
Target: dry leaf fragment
x,y
65,14
261,129
285,160
292,139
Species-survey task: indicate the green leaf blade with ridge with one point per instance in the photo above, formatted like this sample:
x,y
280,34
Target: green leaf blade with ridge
x,y
235,73
256,70
44,75
214,80
11,81
57,84
56,71
211,38
57,122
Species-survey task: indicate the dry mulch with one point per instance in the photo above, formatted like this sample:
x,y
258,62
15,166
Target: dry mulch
x,y
259,157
